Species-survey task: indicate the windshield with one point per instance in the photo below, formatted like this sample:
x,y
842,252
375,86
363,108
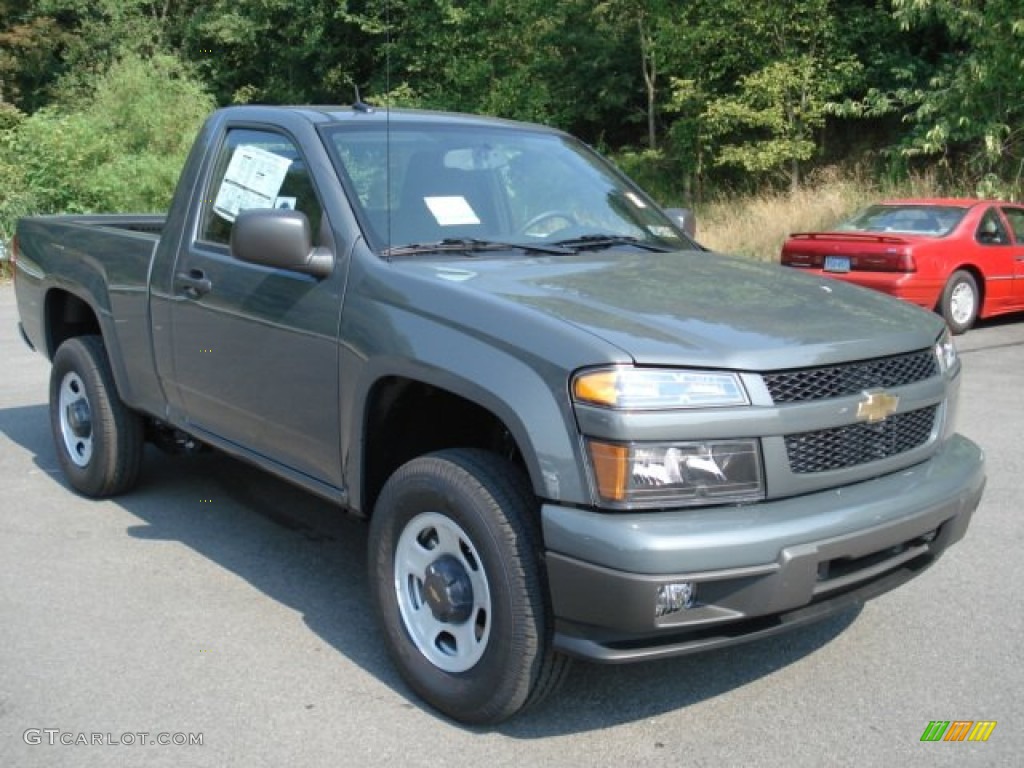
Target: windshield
x,y
932,220
492,184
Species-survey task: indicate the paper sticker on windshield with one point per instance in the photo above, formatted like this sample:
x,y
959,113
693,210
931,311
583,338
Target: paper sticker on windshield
x,y
451,211
253,179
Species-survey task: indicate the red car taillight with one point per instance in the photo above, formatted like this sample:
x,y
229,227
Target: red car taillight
x,y
790,259
897,261
902,261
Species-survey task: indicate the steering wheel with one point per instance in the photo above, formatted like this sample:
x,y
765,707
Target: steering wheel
x,y
552,215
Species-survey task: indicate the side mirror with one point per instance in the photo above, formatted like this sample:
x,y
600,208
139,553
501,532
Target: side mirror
x,y
685,218
281,238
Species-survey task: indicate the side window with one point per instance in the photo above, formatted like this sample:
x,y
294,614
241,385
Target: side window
x,y
256,169
991,230
1016,218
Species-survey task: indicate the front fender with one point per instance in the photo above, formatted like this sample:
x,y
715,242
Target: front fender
x,y
532,403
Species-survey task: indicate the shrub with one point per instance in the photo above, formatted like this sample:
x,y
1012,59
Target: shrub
x,y
117,148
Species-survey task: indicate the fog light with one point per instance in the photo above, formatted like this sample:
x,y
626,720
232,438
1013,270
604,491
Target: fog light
x,y
673,598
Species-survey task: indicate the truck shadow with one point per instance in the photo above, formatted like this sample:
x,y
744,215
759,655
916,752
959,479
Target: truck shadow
x,y
29,427
306,554
598,696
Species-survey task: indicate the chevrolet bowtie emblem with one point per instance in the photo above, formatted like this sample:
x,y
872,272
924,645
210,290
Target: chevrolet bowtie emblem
x,y
876,407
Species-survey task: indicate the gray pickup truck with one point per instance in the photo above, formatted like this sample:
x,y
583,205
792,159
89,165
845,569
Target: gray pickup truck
x,y
574,431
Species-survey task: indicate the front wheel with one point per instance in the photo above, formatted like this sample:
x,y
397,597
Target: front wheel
x,y
98,438
459,587
960,301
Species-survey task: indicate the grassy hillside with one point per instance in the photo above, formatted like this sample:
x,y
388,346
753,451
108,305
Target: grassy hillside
x,y
757,226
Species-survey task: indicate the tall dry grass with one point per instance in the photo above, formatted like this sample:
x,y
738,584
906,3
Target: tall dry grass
x,y
756,226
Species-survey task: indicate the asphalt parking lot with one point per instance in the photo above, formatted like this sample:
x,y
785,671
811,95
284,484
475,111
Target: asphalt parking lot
x,y
217,602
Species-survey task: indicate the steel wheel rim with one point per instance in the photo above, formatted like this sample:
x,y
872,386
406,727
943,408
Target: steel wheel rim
x,y
961,303
73,405
452,646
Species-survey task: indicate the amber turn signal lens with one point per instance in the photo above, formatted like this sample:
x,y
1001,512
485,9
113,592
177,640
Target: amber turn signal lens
x,y
610,463
599,387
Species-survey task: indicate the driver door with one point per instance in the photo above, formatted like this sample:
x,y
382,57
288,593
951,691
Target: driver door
x,y
255,354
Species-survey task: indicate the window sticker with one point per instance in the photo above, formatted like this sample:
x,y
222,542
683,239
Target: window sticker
x,y
252,180
285,203
451,211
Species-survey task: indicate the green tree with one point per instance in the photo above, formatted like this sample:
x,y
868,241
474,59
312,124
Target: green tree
x,y
94,34
275,51
647,28
973,102
693,95
529,59
30,55
772,121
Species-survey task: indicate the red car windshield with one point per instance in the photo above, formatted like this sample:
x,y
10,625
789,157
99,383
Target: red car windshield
x,y
928,220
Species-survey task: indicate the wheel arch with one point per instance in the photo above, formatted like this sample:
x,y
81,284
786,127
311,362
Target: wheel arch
x,y
410,412
979,279
68,314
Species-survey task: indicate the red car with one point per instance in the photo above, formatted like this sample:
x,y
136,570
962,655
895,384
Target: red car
x,y
963,258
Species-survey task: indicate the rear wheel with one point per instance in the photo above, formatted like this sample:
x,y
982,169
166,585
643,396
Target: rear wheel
x,y
960,301
459,586
98,438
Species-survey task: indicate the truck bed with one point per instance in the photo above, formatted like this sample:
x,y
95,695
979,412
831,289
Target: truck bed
x,y
102,261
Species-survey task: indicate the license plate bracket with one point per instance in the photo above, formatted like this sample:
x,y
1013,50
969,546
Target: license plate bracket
x,y
837,263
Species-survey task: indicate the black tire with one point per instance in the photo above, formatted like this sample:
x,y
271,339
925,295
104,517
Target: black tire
x,y
960,302
98,439
484,662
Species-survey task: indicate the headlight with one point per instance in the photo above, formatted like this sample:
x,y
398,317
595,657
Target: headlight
x,y
677,474
653,388
949,364
945,352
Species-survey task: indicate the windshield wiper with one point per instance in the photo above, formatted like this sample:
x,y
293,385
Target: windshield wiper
x,y
473,245
597,242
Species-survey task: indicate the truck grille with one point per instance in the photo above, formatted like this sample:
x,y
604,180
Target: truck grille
x,y
854,444
850,378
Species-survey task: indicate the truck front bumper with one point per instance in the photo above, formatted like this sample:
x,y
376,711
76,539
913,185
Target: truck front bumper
x,y
757,569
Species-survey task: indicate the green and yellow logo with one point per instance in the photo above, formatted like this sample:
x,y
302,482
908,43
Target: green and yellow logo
x,y
958,730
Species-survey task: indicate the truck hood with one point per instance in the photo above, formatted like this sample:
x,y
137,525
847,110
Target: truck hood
x,y
698,308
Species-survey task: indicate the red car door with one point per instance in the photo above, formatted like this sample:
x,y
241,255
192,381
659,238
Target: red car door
x,y
1015,217
994,248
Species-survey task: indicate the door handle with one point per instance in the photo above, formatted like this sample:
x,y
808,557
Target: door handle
x,y
193,283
